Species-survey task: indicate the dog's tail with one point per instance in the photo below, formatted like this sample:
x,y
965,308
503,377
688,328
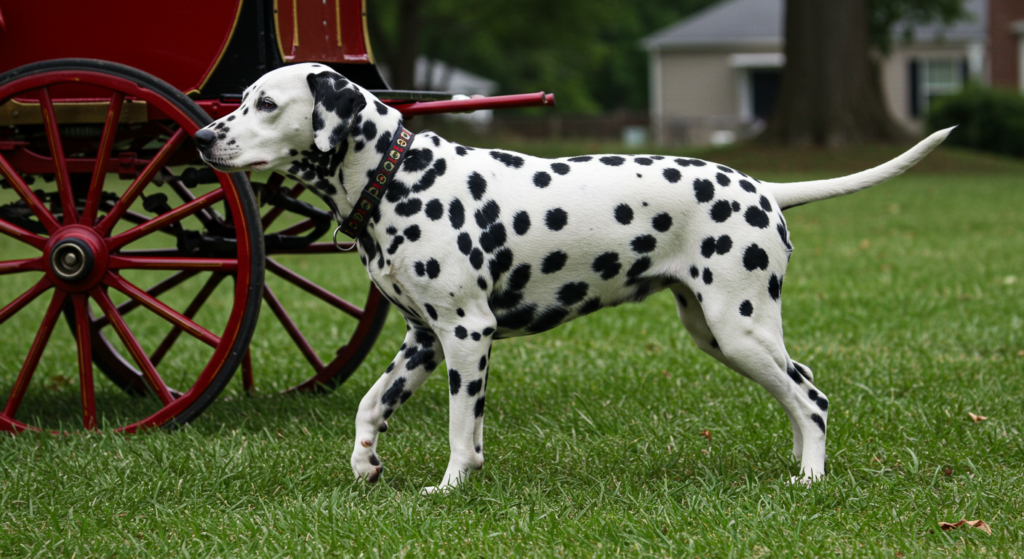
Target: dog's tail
x,y
797,193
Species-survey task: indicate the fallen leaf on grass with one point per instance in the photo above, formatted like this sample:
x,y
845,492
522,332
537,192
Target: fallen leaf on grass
x,y
977,418
706,434
979,524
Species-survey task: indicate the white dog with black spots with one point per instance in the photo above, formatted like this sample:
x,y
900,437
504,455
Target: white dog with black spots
x,y
473,245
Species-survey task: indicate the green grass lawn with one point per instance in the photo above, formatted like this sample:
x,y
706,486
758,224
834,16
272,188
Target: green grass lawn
x,y
907,301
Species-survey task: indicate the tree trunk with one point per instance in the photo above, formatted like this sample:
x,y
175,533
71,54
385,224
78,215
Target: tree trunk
x,y
831,93
403,63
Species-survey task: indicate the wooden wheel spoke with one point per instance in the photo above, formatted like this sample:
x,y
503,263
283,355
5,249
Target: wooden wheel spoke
x,y
190,312
273,182
26,265
145,365
118,262
35,352
292,329
163,220
83,335
31,200
128,198
67,197
180,321
92,201
25,298
155,291
22,235
314,289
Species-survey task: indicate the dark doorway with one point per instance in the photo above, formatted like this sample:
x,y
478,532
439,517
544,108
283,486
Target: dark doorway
x,y
764,85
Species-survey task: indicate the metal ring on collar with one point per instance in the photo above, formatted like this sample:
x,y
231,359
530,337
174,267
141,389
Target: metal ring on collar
x,y
337,246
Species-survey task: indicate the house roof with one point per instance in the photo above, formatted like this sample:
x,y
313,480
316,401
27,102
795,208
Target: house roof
x,y
762,22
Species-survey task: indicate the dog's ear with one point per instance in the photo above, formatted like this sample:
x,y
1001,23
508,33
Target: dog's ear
x,y
336,106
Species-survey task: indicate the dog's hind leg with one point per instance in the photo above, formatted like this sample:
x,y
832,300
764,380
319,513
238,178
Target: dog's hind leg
x,y
467,350
417,358
749,341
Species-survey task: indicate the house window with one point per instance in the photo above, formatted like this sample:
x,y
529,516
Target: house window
x,y
934,78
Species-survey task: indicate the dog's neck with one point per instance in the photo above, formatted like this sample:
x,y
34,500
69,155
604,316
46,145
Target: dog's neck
x,y
340,175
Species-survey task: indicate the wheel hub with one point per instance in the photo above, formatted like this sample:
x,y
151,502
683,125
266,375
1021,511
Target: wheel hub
x,y
72,259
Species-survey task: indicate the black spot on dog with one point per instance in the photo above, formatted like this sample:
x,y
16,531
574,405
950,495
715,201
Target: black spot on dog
x,y
781,228
513,161
412,233
556,219
465,243
684,162
519,277
501,263
708,277
795,375
591,305
580,159
723,245
370,130
661,222
553,262
483,363
746,308
704,190
613,160
722,179
456,213
756,217
488,214
481,283
735,206
430,311
645,161
560,168
454,381
478,408
721,211
774,287
381,108
476,258
493,237
754,257
437,141
460,332
409,207
394,392
745,185
672,175
434,209
607,265
707,247
460,150
818,421
417,159
644,243
694,272
640,266
433,268
541,179
521,223
572,293
624,214
477,185
766,204
395,244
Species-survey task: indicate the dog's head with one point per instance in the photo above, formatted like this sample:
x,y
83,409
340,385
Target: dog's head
x,y
286,111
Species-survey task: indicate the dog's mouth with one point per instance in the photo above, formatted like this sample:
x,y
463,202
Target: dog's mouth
x,y
232,168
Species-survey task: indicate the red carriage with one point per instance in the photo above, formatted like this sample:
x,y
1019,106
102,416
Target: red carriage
x,y
111,225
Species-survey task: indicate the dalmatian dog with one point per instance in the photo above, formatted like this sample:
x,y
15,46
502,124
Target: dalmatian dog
x,y
474,245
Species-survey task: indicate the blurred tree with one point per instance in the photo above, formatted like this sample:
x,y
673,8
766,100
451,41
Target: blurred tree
x,y
831,92
585,50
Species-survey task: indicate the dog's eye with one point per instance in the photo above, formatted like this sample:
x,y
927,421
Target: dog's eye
x,y
266,104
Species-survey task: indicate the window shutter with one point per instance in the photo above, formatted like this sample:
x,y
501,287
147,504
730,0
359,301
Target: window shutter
x,y
914,89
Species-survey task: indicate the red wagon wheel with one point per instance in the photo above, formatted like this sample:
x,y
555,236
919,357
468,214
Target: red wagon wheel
x,y
359,320
131,265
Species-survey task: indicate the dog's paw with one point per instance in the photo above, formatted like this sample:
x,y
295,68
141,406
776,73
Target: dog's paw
x,y
366,465
437,489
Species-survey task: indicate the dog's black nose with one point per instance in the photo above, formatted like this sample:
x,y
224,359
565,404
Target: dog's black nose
x,y
205,138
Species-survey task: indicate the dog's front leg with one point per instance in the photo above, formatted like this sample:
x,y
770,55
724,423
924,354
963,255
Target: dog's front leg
x,y
416,359
468,354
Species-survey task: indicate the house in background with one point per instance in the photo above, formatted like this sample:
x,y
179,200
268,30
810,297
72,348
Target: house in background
x,y
715,75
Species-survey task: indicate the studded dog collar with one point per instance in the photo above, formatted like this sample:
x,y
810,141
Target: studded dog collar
x,y
370,198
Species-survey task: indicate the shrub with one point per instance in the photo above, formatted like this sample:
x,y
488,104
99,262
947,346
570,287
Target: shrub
x,y
989,119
